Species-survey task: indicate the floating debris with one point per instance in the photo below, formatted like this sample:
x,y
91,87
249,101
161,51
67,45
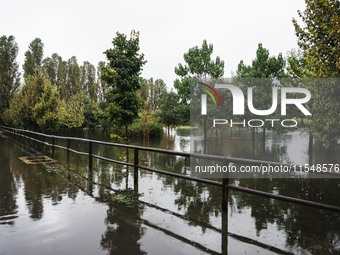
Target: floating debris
x,y
34,160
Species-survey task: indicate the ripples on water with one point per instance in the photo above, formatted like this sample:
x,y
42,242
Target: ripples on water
x,y
47,212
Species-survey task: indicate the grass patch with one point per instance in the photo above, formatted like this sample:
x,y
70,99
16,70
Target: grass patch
x,y
126,197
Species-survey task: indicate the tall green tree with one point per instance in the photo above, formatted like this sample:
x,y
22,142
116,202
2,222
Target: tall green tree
x,y
74,111
88,80
198,65
33,57
266,67
319,37
73,76
9,71
158,88
122,74
296,64
55,69
49,111
103,87
151,92
319,40
169,115
263,66
38,106
28,108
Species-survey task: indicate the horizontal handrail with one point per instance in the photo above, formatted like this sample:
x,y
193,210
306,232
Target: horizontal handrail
x,y
184,154
157,150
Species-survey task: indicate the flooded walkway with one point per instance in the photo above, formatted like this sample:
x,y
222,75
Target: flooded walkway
x,y
55,209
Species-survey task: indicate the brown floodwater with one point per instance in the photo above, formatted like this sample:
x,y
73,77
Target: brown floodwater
x,y
65,209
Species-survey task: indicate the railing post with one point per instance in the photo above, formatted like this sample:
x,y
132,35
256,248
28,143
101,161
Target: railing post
x,y
90,155
52,145
90,176
68,151
43,143
225,195
68,159
135,172
225,190
35,139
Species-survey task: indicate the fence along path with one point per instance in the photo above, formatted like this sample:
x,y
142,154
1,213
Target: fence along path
x,y
50,140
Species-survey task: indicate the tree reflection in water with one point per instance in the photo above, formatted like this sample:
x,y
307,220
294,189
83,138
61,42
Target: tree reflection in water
x,y
8,189
123,230
307,229
311,229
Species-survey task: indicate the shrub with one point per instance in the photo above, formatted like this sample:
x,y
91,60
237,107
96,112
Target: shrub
x,y
150,129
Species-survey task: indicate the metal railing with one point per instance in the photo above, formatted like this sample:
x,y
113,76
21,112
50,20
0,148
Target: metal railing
x,y
50,140
136,165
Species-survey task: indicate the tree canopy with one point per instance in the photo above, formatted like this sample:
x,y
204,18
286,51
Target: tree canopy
x,y
37,106
169,114
263,66
319,40
122,74
198,65
33,57
9,71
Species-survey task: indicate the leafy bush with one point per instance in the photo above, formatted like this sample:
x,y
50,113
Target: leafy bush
x,y
145,129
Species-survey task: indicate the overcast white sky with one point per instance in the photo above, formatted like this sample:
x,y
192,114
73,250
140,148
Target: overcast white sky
x,y
85,28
